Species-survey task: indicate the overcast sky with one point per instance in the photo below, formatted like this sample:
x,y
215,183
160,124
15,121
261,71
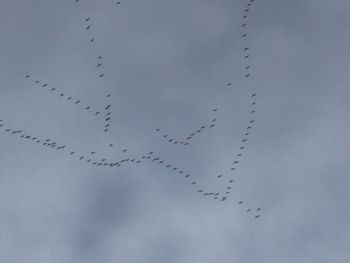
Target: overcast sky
x,y
167,65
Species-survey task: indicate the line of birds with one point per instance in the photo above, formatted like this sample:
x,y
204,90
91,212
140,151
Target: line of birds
x,y
61,94
187,140
247,74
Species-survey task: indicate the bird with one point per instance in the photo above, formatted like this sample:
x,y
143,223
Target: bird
x,y
219,176
247,67
27,76
107,107
88,27
124,150
248,210
99,57
215,109
110,145
247,75
101,75
223,198
92,40
229,84
247,48
258,209
240,202
194,183
257,216
87,19
244,35
77,101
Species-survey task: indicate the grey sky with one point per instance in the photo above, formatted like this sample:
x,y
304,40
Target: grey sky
x,y
167,65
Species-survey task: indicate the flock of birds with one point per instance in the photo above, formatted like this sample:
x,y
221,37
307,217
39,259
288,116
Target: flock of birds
x,y
95,158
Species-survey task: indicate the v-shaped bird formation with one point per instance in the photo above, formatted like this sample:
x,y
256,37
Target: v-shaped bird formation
x,y
104,112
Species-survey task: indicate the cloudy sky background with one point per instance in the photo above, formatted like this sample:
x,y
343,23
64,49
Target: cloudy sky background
x,y
167,64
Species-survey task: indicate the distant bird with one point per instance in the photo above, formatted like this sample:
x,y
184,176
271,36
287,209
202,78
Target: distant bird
x,y
223,198
247,67
247,48
99,57
253,95
157,130
229,84
44,85
88,27
92,40
27,76
187,175
215,109
231,181
124,150
101,75
194,183
243,25
240,202
88,107
246,76
246,56
258,209
87,19
69,98
110,145
244,140
77,101
244,35
257,216
248,210
96,113
219,176
107,107
37,81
